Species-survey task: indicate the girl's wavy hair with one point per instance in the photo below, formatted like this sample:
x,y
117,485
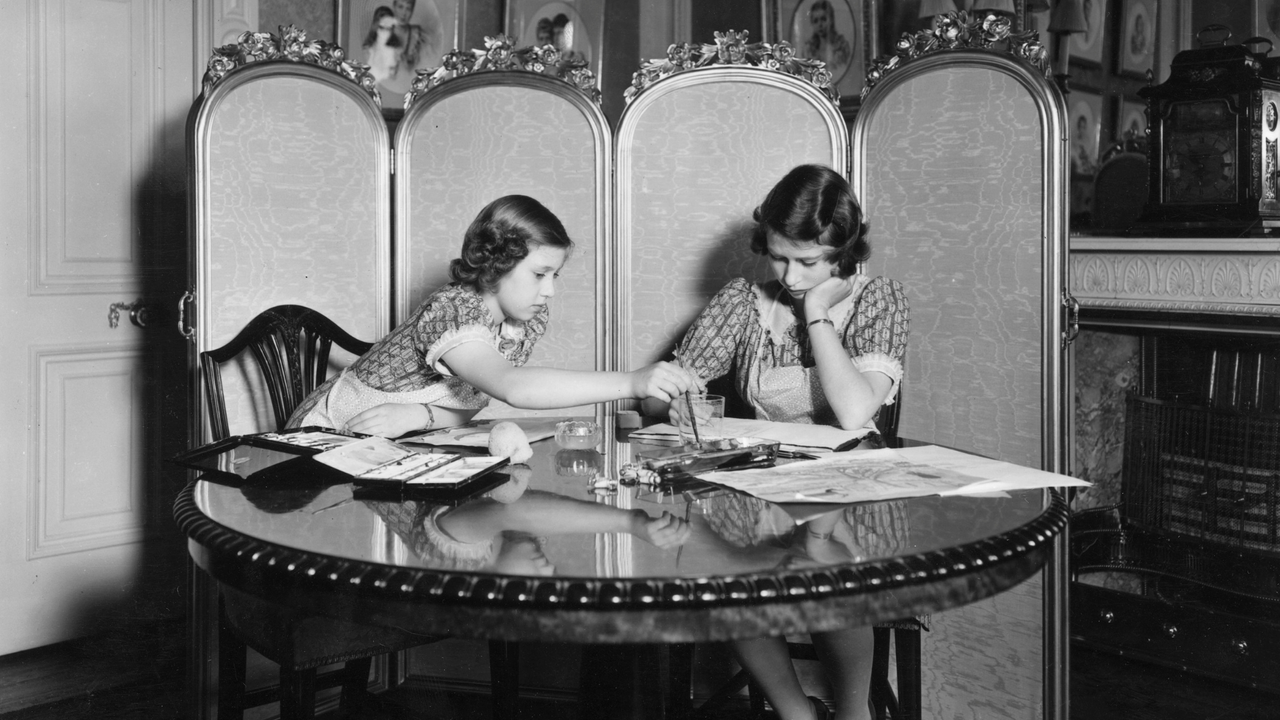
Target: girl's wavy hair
x,y
501,236
813,202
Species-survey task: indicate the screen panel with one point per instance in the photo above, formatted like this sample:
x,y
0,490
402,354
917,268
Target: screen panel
x,y
291,196
954,169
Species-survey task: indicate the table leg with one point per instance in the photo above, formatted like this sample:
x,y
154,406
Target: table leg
x,y
621,682
504,674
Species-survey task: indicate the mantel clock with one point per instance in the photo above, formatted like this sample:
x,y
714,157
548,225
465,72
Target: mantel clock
x,y
1213,146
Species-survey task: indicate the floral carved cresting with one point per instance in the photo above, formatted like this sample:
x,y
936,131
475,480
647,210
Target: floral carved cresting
x,y
499,54
961,31
291,45
732,48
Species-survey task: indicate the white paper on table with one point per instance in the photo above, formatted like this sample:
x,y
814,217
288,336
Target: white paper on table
x,y
800,436
476,434
997,475
872,475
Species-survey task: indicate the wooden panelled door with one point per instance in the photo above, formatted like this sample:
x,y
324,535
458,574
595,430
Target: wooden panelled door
x,y
92,225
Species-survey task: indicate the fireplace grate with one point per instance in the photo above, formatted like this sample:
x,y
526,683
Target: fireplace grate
x,y
1213,475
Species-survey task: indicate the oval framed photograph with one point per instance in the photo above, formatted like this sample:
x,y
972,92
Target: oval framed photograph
x,y
1086,47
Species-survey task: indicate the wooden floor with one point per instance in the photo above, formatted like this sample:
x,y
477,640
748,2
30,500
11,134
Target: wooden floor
x,y
1103,687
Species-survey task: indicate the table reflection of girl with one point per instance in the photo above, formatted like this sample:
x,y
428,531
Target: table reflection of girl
x,y
503,531
849,534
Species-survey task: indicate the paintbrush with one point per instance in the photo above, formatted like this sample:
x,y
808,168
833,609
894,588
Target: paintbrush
x,y
693,418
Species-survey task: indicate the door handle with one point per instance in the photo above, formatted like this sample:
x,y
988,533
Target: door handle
x,y
139,313
1073,319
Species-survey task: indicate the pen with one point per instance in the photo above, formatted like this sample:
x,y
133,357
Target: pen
x,y
797,455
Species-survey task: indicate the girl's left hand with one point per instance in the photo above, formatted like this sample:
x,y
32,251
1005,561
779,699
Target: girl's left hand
x,y
825,294
389,420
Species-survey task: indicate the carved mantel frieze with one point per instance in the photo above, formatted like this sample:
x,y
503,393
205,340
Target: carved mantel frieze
x,y
1172,278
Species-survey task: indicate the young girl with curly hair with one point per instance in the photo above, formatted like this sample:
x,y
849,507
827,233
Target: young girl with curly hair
x,y
469,341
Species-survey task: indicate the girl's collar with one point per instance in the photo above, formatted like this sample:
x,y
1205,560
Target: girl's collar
x,y
778,311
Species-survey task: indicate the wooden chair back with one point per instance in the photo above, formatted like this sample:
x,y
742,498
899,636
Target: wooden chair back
x,y
291,345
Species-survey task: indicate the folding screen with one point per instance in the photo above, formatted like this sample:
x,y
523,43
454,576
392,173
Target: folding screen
x,y
478,137
697,149
959,157
291,198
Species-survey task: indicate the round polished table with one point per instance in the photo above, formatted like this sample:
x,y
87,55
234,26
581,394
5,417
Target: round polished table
x,y
552,557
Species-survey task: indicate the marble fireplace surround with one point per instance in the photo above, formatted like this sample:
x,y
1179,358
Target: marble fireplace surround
x,y
1126,286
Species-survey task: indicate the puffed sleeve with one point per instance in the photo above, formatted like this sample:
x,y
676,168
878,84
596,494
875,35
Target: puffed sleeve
x,y
876,336
452,320
709,346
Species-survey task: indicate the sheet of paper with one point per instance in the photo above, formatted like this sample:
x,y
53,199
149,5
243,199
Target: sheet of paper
x,y
476,434
997,475
857,476
798,436
872,475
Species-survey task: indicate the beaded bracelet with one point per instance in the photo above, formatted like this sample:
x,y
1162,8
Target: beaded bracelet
x,y
811,323
431,417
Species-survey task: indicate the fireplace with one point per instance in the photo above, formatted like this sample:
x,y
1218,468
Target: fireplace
x,y
1175,550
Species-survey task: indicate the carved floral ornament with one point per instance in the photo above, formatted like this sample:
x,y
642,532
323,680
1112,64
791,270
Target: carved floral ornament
x,y
291,45
500,54
961,31
732,48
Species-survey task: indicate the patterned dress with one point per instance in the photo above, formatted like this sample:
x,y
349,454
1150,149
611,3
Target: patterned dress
x,y
405,366
751,330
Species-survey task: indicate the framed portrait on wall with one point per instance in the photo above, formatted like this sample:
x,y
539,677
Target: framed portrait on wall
x,y
833,31
1086,47
1085,124
1137,42
397,38
575,27
1131,120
